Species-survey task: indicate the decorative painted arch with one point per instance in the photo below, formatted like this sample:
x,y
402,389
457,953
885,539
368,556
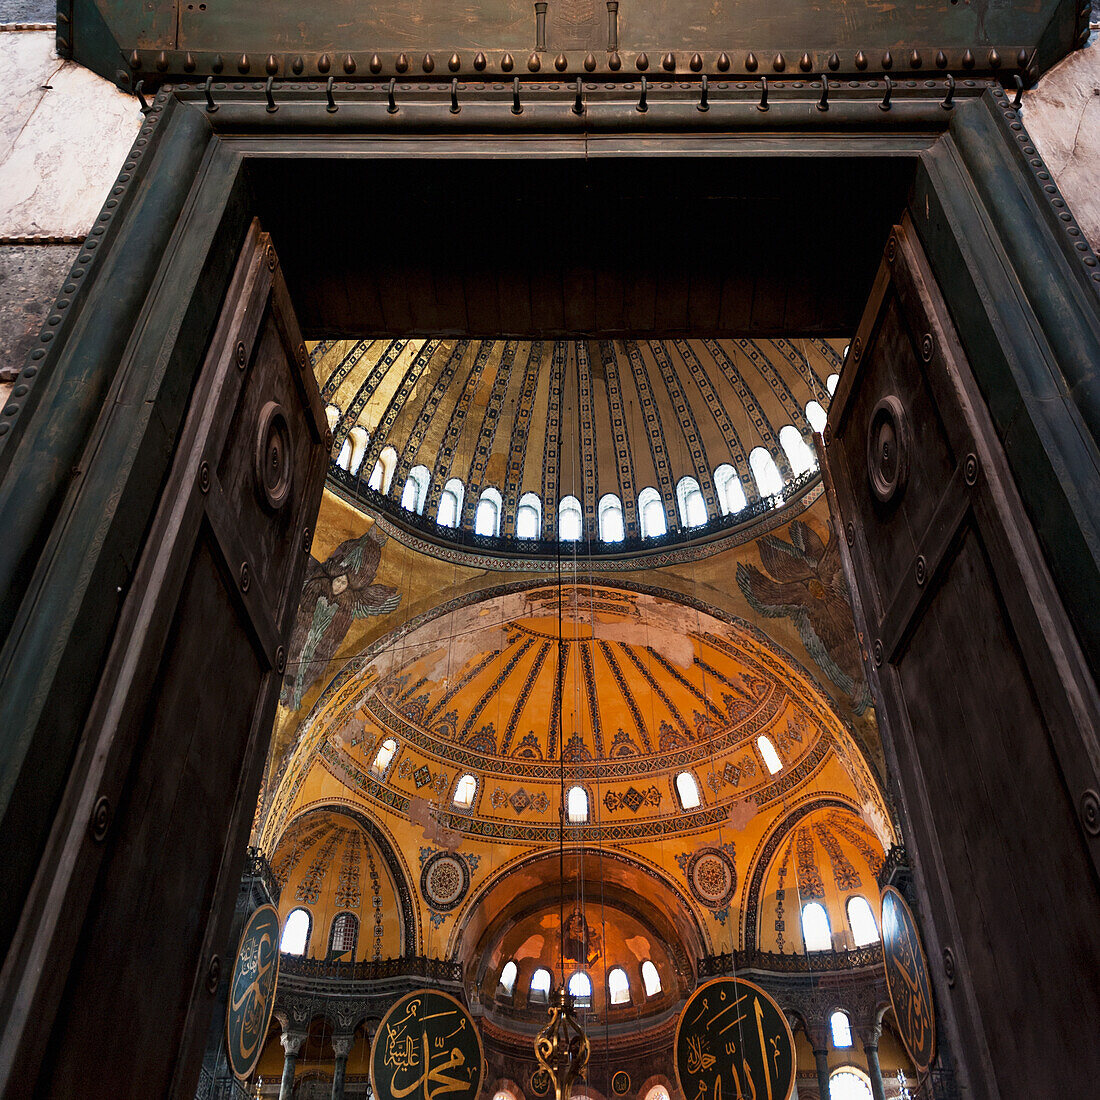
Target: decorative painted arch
x,y
766,851
410,932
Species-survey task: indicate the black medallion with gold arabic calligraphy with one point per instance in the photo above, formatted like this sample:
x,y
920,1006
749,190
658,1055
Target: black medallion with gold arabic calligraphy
x,y
252,990
427,1048
907,979
733,1041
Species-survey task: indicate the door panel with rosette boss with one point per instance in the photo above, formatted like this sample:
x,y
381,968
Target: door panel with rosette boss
x,y
132,905
988,710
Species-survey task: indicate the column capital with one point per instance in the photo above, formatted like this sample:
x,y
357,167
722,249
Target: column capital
x,y
870,1034
342,1045
292,1041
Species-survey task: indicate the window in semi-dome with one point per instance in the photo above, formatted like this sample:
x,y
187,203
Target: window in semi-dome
x,y
817,416
344,934
540,986
797,449
816,932
611,519
658,1092
383,757
862,920
651,513
618,986
415,494
688,790
508,977
651,979
343,459
295,936
570,521
771,757
766,473
450,504
359,440
529,517
580,985
850,1083
832,380
731,495
487,516
465,789
576,805
693,508
841,1027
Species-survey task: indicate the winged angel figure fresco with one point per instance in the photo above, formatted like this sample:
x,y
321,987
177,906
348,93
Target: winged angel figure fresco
x,y
337,591
803,582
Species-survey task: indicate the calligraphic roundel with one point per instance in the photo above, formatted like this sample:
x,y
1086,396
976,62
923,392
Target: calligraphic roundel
x,y
733,1041
427,1048
907,979
252,990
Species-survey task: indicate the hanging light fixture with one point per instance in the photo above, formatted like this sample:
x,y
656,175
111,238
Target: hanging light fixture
x,y
562,1048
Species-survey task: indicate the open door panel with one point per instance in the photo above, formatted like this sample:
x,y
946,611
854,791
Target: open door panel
x,y
988,712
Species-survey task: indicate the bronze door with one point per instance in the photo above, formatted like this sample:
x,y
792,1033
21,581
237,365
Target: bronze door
x,y
988,711
122,943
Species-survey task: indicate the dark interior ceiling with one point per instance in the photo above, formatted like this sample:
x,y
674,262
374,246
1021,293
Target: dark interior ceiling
x,y
564,247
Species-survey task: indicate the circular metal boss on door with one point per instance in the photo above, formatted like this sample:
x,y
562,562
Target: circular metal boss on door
x,y
272,455
888,446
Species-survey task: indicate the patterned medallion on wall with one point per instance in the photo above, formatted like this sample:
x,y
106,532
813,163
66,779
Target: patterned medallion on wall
x,y
444,880
711,877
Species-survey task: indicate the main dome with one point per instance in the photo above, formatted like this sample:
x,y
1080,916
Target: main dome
x,y
512,445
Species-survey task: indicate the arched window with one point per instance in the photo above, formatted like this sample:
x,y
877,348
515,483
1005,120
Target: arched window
x,y
359,441
508,977
383,757
382,475
841,1027
862,920
570,522
688,790
771,757
651,979
580,986
576,805
832,380
343,459
344,935
816,932
798,451
764,470
487,516
450,504
415,494
332,415
850,1083
611,519
295,938
540,986
465,789
618,986
693,508
817,416
651,513
529,517
658,1092
731,496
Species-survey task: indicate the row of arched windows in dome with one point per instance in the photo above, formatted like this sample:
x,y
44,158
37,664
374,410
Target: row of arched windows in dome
x,y
343,935
576,799
580,984
817,932
691,505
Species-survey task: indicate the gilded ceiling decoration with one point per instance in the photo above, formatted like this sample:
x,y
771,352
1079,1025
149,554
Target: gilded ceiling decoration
x,y
589,419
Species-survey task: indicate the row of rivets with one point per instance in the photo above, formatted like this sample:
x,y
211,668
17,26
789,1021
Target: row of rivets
x,y
403,63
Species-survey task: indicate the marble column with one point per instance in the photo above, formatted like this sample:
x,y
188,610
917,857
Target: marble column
x,y
292,1043
341,1044
821,1057
870,1039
